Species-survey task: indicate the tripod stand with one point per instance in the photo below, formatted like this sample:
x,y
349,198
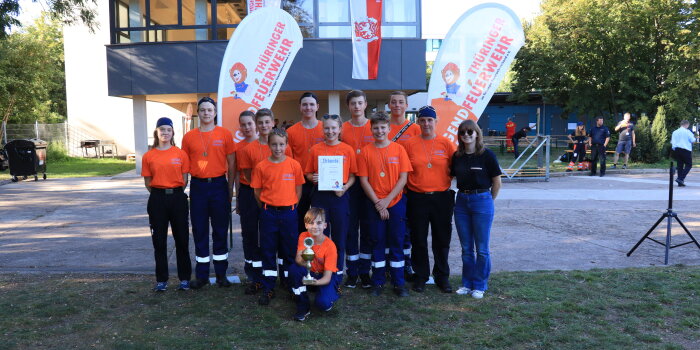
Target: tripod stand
x,y
668,215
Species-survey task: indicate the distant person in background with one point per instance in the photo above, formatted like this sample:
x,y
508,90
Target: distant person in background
x,y
164,171
626,141
682,144
510,131
578,138
522,133
599,136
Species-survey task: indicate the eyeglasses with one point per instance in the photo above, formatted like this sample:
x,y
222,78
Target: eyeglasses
x,y
469,132
331,116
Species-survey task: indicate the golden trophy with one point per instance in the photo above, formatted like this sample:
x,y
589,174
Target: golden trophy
x,y
308,255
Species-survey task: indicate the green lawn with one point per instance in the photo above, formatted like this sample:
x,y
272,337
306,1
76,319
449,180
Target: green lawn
x,y
651,308
82,167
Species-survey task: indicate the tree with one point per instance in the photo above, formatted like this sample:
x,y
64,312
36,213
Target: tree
x,y
32,80
660,136
605,57
646,148
66,11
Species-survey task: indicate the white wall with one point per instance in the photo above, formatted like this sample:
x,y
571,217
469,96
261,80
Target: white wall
x,y
89,106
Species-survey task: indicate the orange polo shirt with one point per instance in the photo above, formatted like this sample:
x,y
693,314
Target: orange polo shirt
x,y
301,139
357,136
217,144
278,181
412,130
436,152
165,167
391,160
326,254
251,155
341,149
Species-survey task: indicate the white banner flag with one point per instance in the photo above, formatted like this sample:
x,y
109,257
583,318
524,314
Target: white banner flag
x,y
366,22
258,4
255,63
472,61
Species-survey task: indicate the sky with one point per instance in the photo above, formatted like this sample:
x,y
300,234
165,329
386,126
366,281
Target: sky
x,y
439,15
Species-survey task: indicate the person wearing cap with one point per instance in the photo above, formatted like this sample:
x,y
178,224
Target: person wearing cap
x,y
164,170
212,154
626,141
578,138
430,201
478,181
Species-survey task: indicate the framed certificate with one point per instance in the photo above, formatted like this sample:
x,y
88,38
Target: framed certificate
x,y
330,173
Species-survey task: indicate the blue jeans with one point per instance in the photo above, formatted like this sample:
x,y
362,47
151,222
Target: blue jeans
x,y
473,219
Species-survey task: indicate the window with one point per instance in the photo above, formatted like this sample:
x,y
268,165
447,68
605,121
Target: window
x,y
186,20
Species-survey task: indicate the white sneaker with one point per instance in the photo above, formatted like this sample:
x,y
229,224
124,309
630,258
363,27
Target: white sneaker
x,y
464,291
477,294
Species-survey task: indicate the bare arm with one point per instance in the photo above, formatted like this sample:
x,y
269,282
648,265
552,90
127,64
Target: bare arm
x,y
147,182
634,139
298,189
231,175
495,186
257,191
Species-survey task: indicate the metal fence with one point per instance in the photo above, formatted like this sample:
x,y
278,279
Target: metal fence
x,y
65,134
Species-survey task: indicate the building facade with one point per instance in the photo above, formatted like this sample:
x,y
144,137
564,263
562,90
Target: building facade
x,y
161,56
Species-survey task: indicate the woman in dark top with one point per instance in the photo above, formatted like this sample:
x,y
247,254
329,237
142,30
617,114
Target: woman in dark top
x,y
478,180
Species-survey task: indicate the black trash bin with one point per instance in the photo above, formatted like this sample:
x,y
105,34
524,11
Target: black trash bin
x,y
27,158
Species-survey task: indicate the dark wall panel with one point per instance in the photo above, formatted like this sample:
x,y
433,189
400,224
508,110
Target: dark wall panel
x,y
119,71
209,56
164,69
312,68
413,63
193,67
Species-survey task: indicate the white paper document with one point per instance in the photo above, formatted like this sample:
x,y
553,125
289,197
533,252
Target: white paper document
x,y
330,173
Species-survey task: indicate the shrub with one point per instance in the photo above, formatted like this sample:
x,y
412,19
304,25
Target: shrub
x,y
56,151
661,137
646,149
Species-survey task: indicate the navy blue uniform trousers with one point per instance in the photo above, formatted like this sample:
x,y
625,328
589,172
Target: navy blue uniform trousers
x,y
210,206
249,212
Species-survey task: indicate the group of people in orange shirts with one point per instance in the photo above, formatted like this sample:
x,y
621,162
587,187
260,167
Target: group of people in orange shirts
x,y
396,187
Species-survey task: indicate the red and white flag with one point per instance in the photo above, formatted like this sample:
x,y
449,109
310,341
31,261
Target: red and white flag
x,y
366,21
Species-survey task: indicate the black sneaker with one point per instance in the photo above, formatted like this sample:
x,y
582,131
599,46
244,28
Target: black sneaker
x,y
401,291
445,287
350,282
614,166
253,288
366,281
223,282
377,291
301,315
624,166
266,297
419,286
199,283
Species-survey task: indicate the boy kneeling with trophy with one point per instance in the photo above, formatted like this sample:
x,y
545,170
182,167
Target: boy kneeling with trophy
x,y
315,267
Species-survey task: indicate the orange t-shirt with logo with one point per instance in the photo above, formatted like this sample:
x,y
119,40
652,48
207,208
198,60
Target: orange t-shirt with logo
x,y
165,167
326,258
411,131
341,149
278,181
217,144
251,155
240,146
300,139
391,160
357,136
436,152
